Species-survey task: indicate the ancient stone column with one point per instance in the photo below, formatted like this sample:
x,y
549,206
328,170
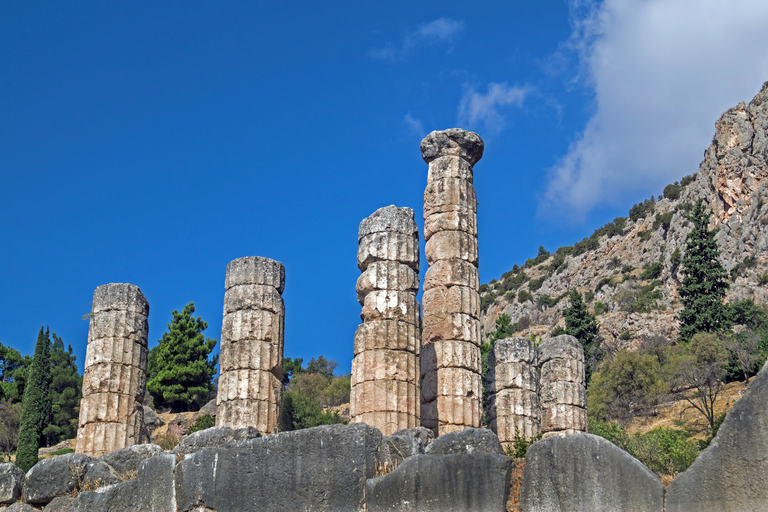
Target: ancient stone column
x,y
115,374
251,359
385,370
451,392
512,387
563,390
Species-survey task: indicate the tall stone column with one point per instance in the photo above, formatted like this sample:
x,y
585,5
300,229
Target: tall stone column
x,y
385,374
512,385
451,392
251,359
563,390
115,374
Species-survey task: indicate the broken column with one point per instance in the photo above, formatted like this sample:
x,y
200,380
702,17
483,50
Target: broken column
x,y
115,374
251,360
512,387
451,392
563,390
385,369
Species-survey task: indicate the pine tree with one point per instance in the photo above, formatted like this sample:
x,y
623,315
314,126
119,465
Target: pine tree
x,y
582,325
704,284
36,404
66,392
183,374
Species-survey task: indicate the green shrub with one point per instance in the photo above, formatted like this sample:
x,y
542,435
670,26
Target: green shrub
x,y
642,210
520,445
523,296
535,284
557,331
588,296
626,269
626,335
687,179
662,220
738,269
674,260
487,299
605,281
652,270
672,191
63,451
203,422
644,236
510,295
600,308
762,278
483,288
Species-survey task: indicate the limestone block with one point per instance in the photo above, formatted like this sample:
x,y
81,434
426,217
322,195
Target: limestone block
x,y
449,195
120,324
255,270
388,247
441,301
513,350
121,297
249,325
248,385
108,407
561,433
455,413
115,378
388,422
457,326
556,417
100,438
385,395
456,220
391,305
387,275
560,347
251,355
452,142
571,370
564,392
454,272
265,416
514,402
451,382
449,167
57,476
116,350
387,334
389,219
450,354
11,483
509,425
385,364
253,296
512,376
451,244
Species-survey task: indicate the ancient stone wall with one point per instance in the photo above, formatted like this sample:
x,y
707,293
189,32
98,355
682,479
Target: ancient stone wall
x,y
563,391
251,360
512,386
114,378
385,375
451,396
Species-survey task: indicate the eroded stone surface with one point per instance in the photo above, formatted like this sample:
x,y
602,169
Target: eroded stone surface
x,y
563,389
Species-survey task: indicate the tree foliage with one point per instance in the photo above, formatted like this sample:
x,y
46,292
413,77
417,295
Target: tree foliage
x,y
311,393
582,325
66,392
36,403
13,373
704,284
10,415
182,373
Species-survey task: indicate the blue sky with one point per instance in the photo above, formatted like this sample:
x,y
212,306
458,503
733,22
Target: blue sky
x,y
152,143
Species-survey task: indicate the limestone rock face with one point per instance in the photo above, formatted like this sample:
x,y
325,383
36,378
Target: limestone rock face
x,y
11,482
251,360
385,370
563,390
114,378
451,393
512,384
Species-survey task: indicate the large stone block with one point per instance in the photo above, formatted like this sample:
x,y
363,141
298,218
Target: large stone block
x,y
11,482
115,378
456,326
564,392
466,442
561,369
320,468
119,296
563,418
100,438
388,422
450,354
119,324
387,334
456,220
449,167
514,402
155,484
385,364
386,275
238,413
251,355
452,142
447,245
453,272
512,376
388,247
127,460
732,473
255,270
384,395
443,301
249,385
247,325
389,219
108,407
449,195
447,414
513,350
451,382
253,296
116,350
560,347
57,476
214,437
122,497
443,483
391,305
586,473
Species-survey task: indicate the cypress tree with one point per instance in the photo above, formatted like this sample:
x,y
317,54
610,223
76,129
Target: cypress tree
x,y
66,392
704,284
36,403
582,325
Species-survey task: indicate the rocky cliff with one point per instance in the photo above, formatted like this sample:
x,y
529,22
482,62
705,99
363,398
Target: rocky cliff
x,y
629,269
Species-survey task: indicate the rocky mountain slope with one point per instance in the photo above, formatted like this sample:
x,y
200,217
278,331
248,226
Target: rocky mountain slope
x,y
629,268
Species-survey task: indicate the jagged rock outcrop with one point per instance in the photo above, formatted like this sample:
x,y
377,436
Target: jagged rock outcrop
x,y
115,375
732,182
385,368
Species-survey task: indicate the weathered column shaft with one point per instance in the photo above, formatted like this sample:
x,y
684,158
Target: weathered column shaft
x,y
451,392
251,360
385,369
512,385
115,373
563,391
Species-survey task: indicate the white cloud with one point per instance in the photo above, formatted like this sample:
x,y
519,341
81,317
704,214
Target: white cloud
x,y
662,72
476,107
441,30
414,125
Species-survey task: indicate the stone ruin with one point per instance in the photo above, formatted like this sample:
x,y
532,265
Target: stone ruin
x,y
385,376
451,392
114,378
563,386
251,359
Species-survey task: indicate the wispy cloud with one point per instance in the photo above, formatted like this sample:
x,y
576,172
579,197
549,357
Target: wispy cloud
x,y
477,108
414,125
662,71
441,30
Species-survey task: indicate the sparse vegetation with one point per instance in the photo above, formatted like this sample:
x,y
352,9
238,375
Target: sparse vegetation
x,y
600,308
520,445
662,220
203,422
652,270
642,210
739,268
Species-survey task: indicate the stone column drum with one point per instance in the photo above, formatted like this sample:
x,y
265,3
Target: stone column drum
x,y
385,369
251,359
563,390
512,386
115,374
451,392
